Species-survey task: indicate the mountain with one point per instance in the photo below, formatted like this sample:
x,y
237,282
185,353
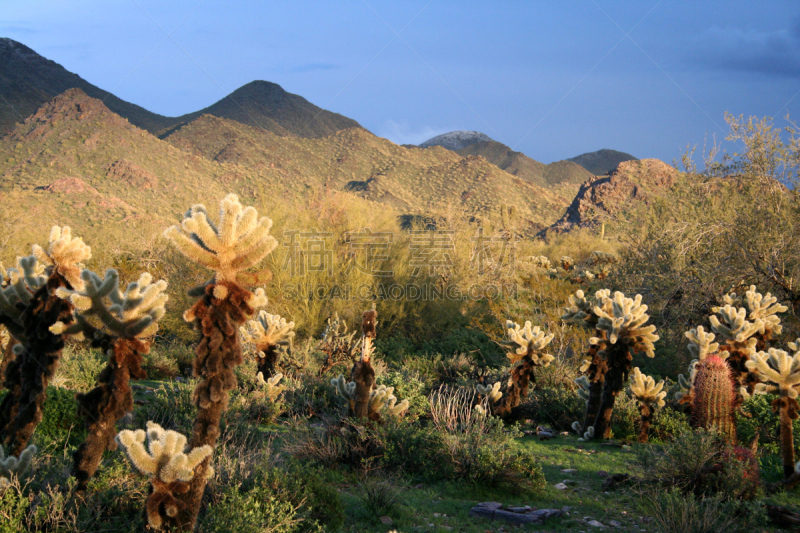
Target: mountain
x,y
604,197
563,177
266,105
411,181
456,140
28,81
75,162
601,162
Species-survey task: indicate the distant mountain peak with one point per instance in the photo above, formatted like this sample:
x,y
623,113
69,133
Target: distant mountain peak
x,y
456,140
602,161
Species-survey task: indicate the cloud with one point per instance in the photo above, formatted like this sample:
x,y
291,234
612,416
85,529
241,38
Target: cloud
x,y
773,53
402,133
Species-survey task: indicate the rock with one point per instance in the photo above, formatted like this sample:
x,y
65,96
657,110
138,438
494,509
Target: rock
x,y
568,482
525,509
602,474
561,486
614,523
568,471
437,515
531,517
386,520
595,523
490,505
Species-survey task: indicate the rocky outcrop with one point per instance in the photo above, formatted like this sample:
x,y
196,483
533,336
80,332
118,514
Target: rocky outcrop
x,y
604,197
123,171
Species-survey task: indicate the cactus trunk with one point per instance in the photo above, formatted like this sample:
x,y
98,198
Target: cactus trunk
x,y
36,365
266,365
602,422
788,408
104,405
593,404
218,353
364,377
646,411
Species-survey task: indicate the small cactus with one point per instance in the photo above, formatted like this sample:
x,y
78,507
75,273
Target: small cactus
x,y
650,396
714,397
14,466
271,385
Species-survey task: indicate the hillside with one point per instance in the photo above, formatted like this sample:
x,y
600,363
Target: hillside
x,y
410,180
601,162
604,197
28,81
562,177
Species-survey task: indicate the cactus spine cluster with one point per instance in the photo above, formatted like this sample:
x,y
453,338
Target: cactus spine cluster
x,y
714,397
168,466
122,324
528,343
620,331
269,334
239,242
28,308
779,373
650,396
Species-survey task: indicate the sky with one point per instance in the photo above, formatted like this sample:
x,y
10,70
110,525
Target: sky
x,y
550,79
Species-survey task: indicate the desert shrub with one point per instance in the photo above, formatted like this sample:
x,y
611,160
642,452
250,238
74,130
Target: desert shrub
x,y
249,511
314,396
557,407
407,386
667,424
764,423
625,418
13,508
676,512
380,492
395,347
79,367
461,340
61,427
169,406
701,463
160,365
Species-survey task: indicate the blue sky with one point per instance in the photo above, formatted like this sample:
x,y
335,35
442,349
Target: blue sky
x,y
551,79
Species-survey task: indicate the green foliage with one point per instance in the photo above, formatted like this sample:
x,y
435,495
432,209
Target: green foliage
x,y
13,508
407,386
253,511
676,512
159,365
61,427
668,424
170,406
701,463
79,367
557,407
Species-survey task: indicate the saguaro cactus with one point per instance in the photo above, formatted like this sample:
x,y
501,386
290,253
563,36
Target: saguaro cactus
x,y
240,242
39,351
714,397
269,334
779,373
650,396
122,324
169,467
529,342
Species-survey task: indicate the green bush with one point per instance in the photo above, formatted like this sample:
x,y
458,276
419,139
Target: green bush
x,y
557,407
253,511
61,427
676,512
700,462
667,424
169,406
79,367
159,365
13,508
407,386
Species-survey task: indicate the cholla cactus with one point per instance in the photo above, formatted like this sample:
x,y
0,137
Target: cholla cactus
x,y
29,307
269,334
744,326
101,305
701,345
383,399
528,343
492,393
779,373
168,466
240,242
13,466
650,396
122,324
540,261
337,344
618,324
271,386
362,373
